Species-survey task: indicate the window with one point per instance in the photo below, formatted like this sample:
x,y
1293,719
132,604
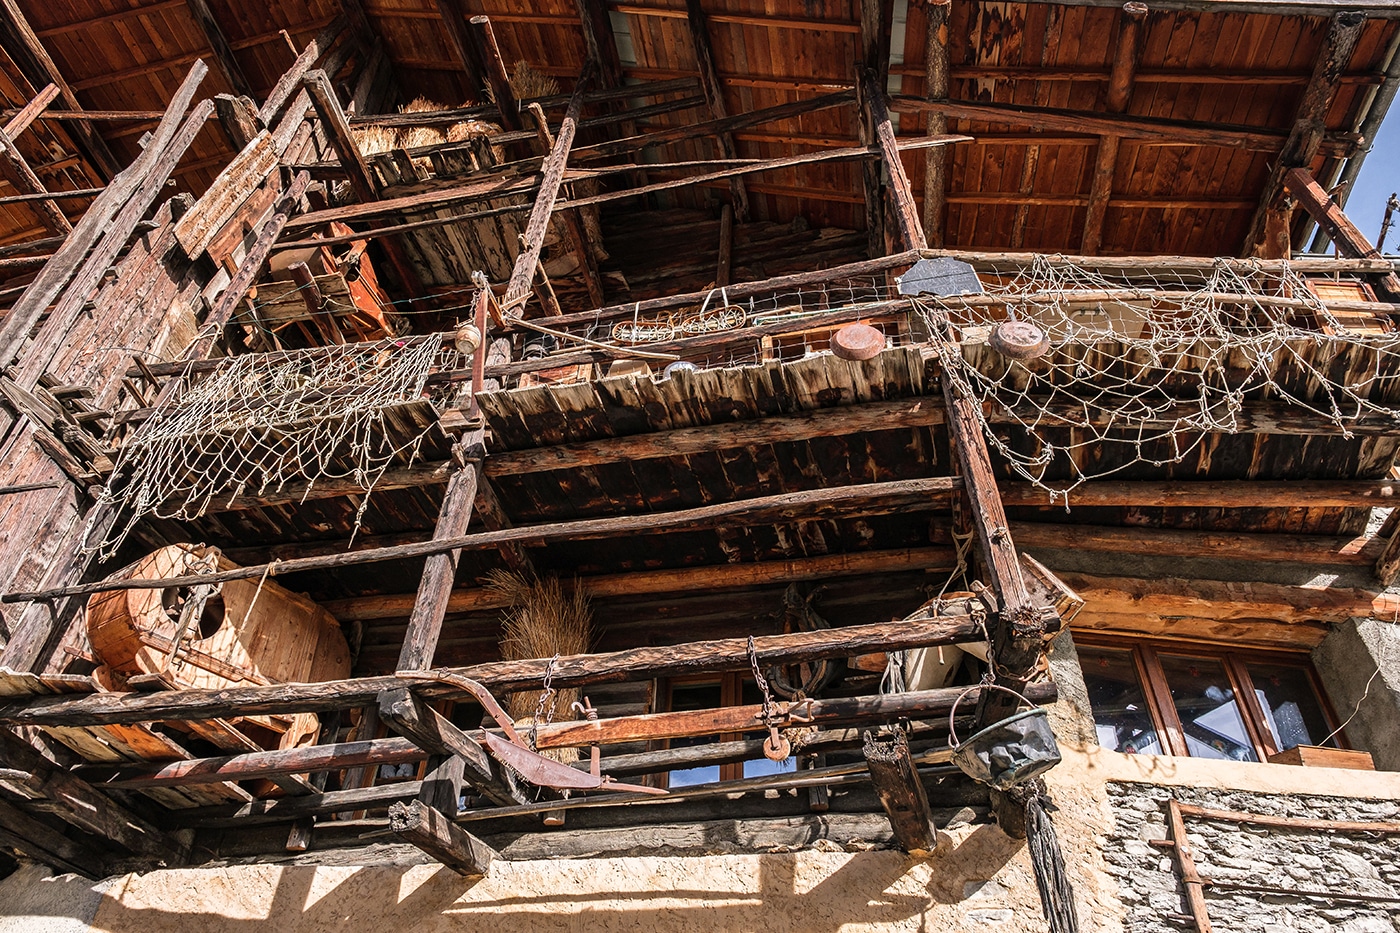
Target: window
x,y
1203,701
733,689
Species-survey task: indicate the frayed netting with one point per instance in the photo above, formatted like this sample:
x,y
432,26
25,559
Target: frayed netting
x,y
1144,365
260,421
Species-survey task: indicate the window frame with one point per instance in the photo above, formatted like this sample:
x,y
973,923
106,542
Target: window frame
x,y
1234,661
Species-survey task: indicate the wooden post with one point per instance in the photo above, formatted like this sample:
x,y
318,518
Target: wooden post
x,y
435,734
23,39
574,234
936,89
17,171
488,53
315,304
1309,123
452,18
901,793
1120,87
726,246
441,838
714,99
551,176
318,85
228,66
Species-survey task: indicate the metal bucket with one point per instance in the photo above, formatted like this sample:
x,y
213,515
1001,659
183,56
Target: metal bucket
x,y
1010,751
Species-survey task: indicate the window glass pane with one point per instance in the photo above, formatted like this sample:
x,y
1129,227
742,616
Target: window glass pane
x,y
689,697
756,767
1120,709
1206,705
1291,708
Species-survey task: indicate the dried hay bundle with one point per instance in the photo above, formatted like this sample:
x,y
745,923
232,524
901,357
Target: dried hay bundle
x,y
373,140
542,621
526,83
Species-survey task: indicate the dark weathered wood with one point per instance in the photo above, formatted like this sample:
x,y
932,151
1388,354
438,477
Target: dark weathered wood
x,y
239,118
714,99
434,733
86,807
499,676
598,41
936,89
453,20
289,84
810,505
16,170
325,322
69,258
23,38
246,767
439,572
1166,542
726,246
902,794
493,518
43,843
906,212
444,840
228,66
551,175
1120,88
1300,183
1310,120
488,53
1388,563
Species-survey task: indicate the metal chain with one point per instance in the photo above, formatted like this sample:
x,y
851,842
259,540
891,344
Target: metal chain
x,y
769,714
546,695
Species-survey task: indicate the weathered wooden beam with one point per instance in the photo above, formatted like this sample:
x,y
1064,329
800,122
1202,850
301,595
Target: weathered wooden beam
x,y
1310,120
1300,183
34,109
725,261
43,843
224,61
1238,494
906,212
499,676
1120,88
551,176
901,793
1152,129
444,840
290,83
434,733
16,170
254,765
714,99
305,281
239,118
599,42
439,570
488,54
453,19
1324,550
23,38
1388,563
936,89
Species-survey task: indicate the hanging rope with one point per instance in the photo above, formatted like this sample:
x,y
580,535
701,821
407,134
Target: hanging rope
x,y
1056,893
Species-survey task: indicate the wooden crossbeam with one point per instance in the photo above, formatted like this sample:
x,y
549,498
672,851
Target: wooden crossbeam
x,y
434,733
1310,121
428,829
1300,183
488,55
1120,87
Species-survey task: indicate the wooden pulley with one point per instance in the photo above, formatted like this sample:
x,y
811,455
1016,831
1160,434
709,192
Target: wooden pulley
x,y
1020,340
857,342
776,747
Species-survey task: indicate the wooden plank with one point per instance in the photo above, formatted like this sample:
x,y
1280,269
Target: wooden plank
x,y
452,19
31,111
43,843
198,226
441,838
228,66
901,792
1300,183
1120,86
1310,121
551,176
936,15
499,676
290,82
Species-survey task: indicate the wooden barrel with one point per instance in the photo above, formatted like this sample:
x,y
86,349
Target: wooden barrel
x,y
247,633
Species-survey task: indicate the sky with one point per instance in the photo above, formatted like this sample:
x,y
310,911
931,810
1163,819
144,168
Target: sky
x,y
1380,175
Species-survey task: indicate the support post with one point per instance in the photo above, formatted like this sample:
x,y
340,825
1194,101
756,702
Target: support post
x,y
936,89
901,793
488,53
522,276
435,734
1120,88
714,99
17,171
452,18
441,838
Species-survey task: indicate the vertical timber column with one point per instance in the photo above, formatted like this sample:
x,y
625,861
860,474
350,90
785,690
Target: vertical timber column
x,y
1018,636
714,99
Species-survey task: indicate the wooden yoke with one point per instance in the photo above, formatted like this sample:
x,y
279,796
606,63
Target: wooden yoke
x,y
1017,640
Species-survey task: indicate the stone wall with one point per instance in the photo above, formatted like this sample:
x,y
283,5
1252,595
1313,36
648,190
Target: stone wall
x,y
1334,862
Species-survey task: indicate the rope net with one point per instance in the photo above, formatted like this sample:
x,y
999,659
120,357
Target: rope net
x,y
259,421
1143,367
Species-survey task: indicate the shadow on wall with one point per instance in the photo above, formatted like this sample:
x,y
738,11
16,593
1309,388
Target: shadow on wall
x,y
811,892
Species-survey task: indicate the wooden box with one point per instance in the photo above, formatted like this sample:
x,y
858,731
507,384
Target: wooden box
x,y
1316,756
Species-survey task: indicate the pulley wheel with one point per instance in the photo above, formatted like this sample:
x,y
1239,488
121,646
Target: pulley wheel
x,y
857,342
778,752
1020,340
